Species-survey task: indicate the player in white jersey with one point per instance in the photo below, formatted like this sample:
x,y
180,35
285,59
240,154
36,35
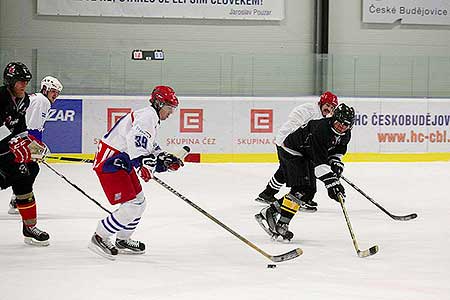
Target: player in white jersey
x,y
297,118
36,116
131,145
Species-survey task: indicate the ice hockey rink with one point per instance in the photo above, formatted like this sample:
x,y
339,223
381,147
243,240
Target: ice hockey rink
x,y
190,257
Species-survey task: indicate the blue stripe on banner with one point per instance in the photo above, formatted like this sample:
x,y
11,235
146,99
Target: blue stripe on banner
x,y
117,222
137,219
133,223
104,225
110,224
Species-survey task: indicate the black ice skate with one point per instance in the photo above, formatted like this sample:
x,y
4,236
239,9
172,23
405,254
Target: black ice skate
x,y
13,206
265,198
130,246
267,219
305,206
102,247
282,230
35,237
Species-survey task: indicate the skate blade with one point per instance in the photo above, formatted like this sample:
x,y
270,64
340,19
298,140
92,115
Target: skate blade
x,y
308,210
130,252
263,201
33,242
260,221
100,252
13,211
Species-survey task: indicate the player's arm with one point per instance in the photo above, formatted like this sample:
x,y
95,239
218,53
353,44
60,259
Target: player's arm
x,y
335,155
322,169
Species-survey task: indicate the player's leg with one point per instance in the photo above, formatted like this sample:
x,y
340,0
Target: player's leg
x,y
122,188
22,185
274,185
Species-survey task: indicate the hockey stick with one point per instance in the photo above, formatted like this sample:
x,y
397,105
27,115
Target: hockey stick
x,y
275,258
364,253
73,159
398,218
76,187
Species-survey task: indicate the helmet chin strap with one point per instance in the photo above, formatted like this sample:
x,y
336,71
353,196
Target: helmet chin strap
x,y
336,131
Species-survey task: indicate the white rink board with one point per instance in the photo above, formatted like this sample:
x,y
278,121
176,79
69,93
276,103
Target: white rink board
x,y
232,125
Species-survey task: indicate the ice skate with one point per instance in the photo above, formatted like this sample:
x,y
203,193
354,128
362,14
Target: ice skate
x,y
282,230
102,247
35,237
130,246
267,219
265,198
13,206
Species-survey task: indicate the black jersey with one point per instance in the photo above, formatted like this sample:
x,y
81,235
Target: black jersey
x,y
12,115
316,141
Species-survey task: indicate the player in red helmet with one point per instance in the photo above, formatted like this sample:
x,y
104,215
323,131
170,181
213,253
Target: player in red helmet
x,y
298,117
129,149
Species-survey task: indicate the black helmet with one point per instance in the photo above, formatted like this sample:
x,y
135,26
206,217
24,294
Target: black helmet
x,y
15,71
345,115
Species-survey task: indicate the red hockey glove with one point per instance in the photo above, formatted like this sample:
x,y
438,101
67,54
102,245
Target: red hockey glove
x,y
19,147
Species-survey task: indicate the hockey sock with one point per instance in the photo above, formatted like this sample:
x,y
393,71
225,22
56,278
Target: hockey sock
x,y
123,220
288,208
275,183
27,208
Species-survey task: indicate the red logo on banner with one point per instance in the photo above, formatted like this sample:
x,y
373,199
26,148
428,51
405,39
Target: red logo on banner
x,y
261,121
114,114
191,120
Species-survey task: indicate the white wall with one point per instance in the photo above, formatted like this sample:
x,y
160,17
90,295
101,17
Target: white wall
x,y
348,35
20,26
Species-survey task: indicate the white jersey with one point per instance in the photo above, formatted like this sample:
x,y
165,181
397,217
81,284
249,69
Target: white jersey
x,y
134,134
37,112
298,117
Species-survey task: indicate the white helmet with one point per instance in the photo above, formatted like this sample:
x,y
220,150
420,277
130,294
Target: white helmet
x,y
50,82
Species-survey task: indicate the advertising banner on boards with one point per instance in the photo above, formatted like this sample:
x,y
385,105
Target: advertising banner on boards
x,y
193,9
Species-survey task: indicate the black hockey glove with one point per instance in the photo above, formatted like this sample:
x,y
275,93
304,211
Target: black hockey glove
x,y
337,166
168,162
333,186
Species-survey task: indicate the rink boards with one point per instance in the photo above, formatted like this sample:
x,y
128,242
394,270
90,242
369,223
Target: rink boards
x,y
242,129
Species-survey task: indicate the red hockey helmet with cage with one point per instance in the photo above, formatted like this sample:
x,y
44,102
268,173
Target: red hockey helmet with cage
x,y
163,95
328,97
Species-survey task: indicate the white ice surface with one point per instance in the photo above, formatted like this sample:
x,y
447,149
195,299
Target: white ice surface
x,y
190,257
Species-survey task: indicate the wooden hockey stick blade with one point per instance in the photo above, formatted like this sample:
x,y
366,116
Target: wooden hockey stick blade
x,y
368,252
286,256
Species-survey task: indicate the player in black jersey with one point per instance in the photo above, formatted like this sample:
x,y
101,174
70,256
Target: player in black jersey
x,y
17,168
312,151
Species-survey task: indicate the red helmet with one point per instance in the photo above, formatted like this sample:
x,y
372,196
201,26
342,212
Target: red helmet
x,y
163,95
328,97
